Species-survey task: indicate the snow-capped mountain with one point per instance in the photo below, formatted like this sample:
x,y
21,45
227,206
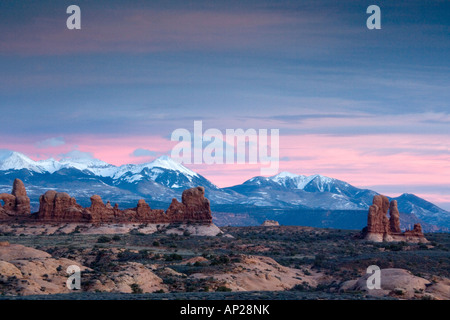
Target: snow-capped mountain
x,y
163,170
314,183
11,160
314,191
294,181
163,179
423,209
159,180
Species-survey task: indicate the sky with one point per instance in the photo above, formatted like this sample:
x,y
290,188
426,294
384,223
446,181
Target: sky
x,y
370,107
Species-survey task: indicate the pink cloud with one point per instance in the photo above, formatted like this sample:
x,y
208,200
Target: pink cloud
x,y
361,160
397,161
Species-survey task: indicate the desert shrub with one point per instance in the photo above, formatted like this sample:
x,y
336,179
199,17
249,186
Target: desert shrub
x,y
396,246
236,259
304,286
128,255
169,281
136,232
223,289
76,230
103,262
116,238
186,233
145,254
103,239
319,261
223,259
173,257
136,289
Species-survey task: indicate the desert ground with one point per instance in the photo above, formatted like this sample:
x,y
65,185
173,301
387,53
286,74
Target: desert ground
x,y
266,262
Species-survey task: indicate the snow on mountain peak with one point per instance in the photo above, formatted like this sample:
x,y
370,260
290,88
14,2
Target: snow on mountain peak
x,y
296,181
285,174
11,160
323,179
168,163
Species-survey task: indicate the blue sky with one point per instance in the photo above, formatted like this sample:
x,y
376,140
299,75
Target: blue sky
x,y
310,68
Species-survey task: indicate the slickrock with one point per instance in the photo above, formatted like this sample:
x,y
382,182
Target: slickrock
x,y
402,284
29,271
259,273
131,277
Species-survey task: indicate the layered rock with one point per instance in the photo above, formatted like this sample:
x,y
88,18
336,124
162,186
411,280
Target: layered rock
x,y
16,204
270,223
28,271
381,228
193,208
394,217
377,221
60,207
402,284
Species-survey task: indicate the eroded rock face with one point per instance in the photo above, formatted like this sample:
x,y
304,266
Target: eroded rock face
x,y
60,207
19,189
395,282
28,271
377,220
16,204
270,223
394,218
193,208
381,228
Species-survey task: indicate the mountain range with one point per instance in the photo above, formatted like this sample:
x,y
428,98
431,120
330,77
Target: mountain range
x,y
292,199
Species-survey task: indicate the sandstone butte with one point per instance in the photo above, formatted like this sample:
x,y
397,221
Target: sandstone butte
x,y
59,207
381,228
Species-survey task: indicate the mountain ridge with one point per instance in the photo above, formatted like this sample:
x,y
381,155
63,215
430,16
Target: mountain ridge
x,y
164,179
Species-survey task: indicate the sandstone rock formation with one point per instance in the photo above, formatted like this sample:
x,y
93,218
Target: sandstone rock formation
x,y
260,273
403,284
130,274
28,271
16,204
270,223
377,221
381,228
193,208
60,207
394,220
